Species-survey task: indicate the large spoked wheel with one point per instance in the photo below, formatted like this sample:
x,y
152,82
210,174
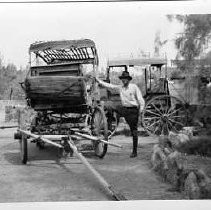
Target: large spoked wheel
x,y
113,121
163,114
99,129
23,149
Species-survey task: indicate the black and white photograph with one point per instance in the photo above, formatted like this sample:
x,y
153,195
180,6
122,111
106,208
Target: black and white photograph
x,y
105,101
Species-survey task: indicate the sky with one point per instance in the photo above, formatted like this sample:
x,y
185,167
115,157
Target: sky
x,y
117,28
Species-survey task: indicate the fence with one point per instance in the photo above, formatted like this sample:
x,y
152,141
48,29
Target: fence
x,y
8,111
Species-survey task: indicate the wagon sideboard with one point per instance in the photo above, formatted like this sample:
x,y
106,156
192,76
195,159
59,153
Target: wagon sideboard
x,y
55,91
192,90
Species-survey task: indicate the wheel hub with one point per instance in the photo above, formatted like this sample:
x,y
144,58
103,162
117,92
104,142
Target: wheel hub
x,y
164,118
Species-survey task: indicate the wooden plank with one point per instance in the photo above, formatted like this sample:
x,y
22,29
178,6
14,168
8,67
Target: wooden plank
x,y
136,62
57,67
95,138
56,88
67,106
28,133
108,187
9,126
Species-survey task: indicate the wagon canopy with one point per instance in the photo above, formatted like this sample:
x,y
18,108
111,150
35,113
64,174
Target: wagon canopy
x,y
71,51
137,62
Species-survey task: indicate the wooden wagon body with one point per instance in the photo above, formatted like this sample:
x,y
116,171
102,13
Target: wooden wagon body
x,y
191,83
192,86
57,76
63,94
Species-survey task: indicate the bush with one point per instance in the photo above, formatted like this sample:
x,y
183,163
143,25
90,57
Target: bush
x,y
197,146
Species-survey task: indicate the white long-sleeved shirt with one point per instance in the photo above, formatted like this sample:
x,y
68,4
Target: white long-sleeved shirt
x,y
130,96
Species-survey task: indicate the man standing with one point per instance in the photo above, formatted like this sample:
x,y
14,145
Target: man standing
x,y
132,103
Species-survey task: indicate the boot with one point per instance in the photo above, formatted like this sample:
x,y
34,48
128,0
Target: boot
x,y
132,155
135,145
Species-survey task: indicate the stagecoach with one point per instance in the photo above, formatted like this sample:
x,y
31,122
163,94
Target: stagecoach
x,y
64,98
163,112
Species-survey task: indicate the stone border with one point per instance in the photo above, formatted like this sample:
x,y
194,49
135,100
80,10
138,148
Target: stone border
x,y
172,166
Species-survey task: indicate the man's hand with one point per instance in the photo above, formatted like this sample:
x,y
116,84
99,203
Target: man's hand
x,y
97,80
92,78
88,77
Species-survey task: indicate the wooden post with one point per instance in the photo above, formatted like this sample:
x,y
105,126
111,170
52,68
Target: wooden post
x,y
110,189
94,138
28,133
9,126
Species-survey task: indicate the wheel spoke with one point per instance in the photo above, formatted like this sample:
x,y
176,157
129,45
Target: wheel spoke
x,y
151,112
162,108
173,127
151,118
156,109
167,106
176,122
157,128
174,111
176,116
167,127
153,123
151,130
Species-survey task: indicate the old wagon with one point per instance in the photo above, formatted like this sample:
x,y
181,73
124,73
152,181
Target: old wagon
x,y
64,98
191,83
162,112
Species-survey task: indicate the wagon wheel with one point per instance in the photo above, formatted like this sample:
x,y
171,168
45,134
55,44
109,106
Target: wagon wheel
x,y
23,149
100,129
113,121
163,114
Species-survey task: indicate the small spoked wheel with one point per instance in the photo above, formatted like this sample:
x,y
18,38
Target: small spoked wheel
x,y
113,121
23,149
99,129
163,114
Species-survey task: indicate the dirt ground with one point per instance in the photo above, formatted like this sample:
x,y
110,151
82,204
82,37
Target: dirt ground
x,y
44,178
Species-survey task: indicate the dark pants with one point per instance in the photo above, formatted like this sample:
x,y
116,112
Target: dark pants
x,y
131,115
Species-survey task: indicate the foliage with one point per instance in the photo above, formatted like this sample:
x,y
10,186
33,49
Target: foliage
x,y
200,146
195,37
10,78
158,44
176,74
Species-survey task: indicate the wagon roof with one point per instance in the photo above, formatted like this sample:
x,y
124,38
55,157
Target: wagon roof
x,y
137,62
63,44
65,51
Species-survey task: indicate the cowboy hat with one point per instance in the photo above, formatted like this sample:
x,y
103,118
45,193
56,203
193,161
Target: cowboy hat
x,y
125,75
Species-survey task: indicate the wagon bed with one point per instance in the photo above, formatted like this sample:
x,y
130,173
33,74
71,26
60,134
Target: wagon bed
x,y
55,92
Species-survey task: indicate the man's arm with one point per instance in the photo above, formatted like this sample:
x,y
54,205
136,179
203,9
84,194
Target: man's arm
x,y
140,98
107,85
